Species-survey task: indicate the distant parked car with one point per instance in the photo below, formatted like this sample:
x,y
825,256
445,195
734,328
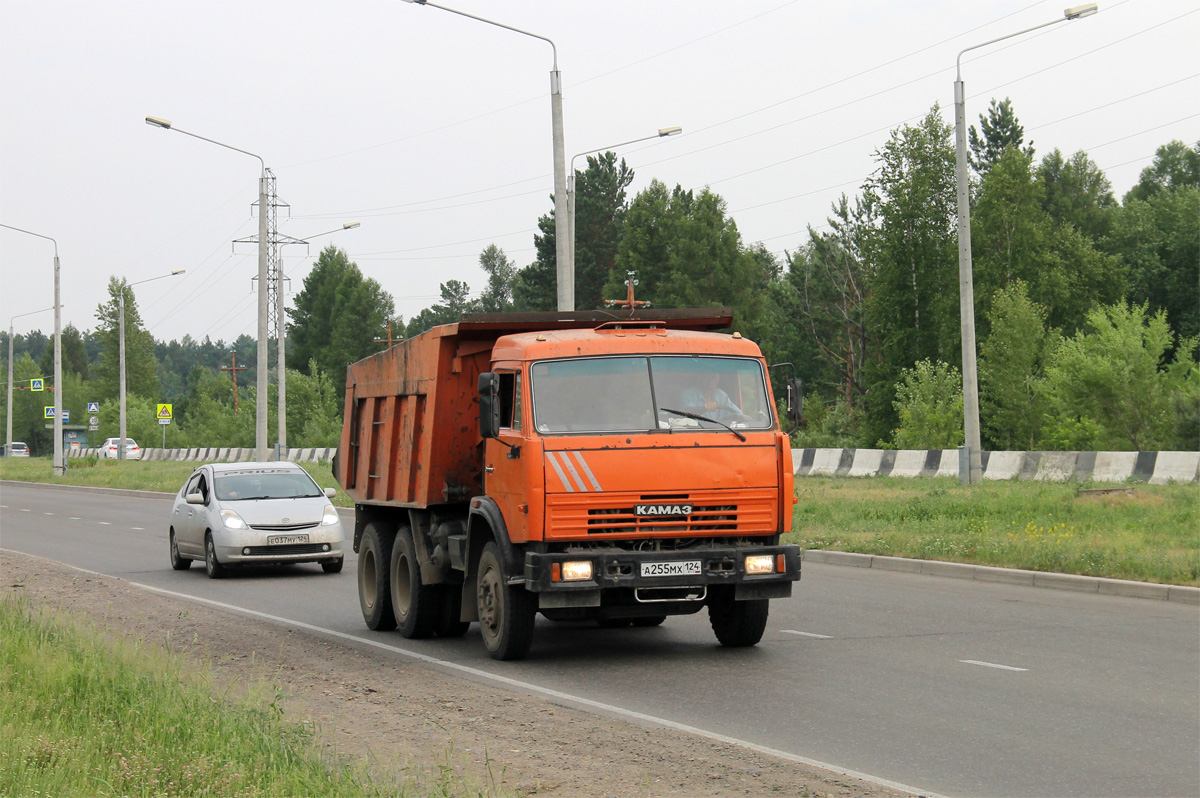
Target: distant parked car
x,y
15,449
109,449
233,514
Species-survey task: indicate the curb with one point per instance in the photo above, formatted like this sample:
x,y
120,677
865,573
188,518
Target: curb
x,y
1011,576
143,494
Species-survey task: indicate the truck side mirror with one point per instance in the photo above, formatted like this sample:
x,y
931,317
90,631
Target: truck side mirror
x,y
795,400
489,405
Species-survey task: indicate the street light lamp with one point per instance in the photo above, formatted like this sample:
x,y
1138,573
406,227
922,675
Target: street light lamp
x,y
566,275
59,468
260,421
121,349
281,331
8,426
570,226
971,471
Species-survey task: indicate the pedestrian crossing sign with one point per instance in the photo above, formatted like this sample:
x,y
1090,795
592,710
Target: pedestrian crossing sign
x,y
48,411
164,412
37,384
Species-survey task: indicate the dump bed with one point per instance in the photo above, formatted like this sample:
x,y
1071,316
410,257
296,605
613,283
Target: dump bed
x,y
410,434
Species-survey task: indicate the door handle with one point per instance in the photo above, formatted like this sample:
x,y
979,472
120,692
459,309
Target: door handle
x,y
489,469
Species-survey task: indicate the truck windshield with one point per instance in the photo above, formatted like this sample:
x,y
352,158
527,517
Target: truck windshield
x,y
636,394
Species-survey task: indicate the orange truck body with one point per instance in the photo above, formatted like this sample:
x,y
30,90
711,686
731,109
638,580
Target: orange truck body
x,y
661,508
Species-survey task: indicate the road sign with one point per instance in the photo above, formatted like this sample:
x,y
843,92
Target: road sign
x,y
164,411
66,416
93,428
93,419
164,421
38,384
93,407
48,411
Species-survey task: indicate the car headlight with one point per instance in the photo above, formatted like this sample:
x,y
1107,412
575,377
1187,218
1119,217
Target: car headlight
x,y
760,564
330,517
232,520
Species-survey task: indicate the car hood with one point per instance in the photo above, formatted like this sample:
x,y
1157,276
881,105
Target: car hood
x,y
257,512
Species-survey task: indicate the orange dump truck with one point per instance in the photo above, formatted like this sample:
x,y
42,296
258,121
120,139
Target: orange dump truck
x,y
572,465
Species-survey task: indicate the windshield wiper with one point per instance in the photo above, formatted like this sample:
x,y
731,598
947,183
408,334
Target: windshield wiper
x,y
685,414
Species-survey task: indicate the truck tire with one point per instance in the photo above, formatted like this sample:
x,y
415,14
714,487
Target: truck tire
x,y
374,587
738,623
415,605
448,623
506,612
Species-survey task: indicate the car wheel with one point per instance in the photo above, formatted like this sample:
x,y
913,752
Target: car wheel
x,y
211,564
414,603
177,562
374,587
506,612
332,566
738,624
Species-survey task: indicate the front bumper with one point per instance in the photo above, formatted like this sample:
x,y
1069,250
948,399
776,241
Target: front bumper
x,y
719,566
248,547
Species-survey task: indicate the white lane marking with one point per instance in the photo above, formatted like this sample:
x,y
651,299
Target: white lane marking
x,y
806,634
75,518
532,688
138,528
105,523
991,665
47,513
24,510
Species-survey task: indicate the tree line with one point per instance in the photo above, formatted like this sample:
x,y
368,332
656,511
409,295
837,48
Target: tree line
x,y
1087,309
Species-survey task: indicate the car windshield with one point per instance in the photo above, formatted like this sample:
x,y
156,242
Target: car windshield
x,y
631,394
244,486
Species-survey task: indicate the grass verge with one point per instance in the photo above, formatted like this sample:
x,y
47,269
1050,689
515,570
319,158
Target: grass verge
x,y
160,475
1151,534
89,713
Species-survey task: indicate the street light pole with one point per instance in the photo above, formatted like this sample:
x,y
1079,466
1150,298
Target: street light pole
x,y
973,471
281,331
565,274
260,421
8,426
121,350
570,226
59,468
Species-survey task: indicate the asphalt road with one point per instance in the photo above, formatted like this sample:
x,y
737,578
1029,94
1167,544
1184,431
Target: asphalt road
x,y
945,685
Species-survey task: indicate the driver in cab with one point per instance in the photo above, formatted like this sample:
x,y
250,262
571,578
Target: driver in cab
x,y
708,398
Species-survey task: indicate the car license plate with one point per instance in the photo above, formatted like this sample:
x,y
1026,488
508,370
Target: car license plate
x,y
685,568
285,540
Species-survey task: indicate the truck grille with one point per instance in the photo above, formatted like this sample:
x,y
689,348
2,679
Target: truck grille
x,y
714,513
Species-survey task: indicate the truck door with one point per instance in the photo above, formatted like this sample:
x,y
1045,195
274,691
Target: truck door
x,y
503,468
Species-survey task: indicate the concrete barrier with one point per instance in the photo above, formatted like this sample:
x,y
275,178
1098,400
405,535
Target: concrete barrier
x,y
1157,468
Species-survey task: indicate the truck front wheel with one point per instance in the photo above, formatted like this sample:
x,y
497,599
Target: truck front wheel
x,y
374,587
506,612
414,603
738,623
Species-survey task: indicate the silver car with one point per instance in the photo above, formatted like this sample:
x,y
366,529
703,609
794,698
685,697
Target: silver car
x,y
232,514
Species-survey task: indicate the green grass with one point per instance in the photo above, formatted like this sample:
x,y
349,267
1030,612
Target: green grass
x,y
89,713
1150,536
163,475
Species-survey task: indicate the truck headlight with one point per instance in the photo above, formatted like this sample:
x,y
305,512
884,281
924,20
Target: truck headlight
x,y
577,571
760,564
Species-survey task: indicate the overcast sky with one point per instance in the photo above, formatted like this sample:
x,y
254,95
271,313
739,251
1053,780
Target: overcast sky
x,y
434,132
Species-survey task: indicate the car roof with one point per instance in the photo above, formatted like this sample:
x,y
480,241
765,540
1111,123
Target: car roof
x,y
252,468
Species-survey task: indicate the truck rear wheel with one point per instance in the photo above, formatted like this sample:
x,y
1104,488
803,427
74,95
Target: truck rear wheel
x,y
414,604
374,587
506,612
738,623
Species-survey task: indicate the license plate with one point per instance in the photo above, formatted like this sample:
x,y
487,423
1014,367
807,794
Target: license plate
x,y
285,540
685,568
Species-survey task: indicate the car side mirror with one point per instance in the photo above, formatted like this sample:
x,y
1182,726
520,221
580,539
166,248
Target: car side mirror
x,y
489,405
795,400
330,493
195,498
